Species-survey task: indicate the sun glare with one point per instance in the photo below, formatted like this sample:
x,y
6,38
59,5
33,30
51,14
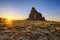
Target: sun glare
x,y
9,21
9,18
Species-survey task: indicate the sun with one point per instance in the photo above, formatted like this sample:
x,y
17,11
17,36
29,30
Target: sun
x,y
9,18
9,21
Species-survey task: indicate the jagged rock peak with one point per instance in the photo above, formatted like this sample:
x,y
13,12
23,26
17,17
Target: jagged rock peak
x,y
35,15
33,9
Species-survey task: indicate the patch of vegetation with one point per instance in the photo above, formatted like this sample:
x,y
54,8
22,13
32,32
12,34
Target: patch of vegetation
x,y
30,30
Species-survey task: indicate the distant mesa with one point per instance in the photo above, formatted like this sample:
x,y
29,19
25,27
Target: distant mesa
x,y
35,15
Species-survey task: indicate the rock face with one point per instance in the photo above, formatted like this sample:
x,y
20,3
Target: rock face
x,y
35,15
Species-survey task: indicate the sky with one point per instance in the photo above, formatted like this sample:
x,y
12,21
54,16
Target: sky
x,y
20,9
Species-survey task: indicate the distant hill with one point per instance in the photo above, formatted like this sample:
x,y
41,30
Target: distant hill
x,y
2,20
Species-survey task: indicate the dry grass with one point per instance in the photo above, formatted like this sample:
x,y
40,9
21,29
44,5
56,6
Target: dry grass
x,y
30,30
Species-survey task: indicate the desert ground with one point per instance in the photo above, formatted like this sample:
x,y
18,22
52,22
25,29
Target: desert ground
x,y
30,30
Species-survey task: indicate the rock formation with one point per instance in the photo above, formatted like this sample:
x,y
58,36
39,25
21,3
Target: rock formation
x,y
35,15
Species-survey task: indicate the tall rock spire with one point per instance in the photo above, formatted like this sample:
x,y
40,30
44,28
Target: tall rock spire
x,y
33,10
35,15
